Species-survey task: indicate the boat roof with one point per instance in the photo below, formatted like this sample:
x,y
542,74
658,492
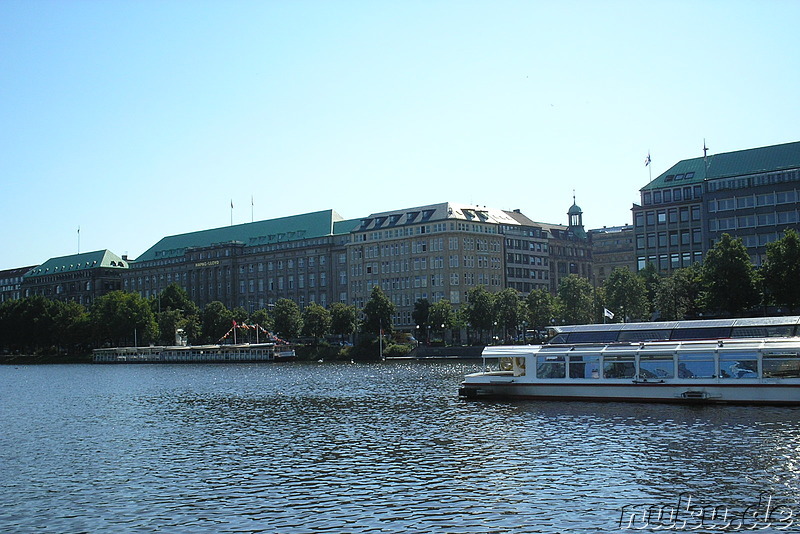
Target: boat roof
x,y
781,343
671,325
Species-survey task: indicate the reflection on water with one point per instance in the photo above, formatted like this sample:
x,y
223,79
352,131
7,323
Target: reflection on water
x,y
358,448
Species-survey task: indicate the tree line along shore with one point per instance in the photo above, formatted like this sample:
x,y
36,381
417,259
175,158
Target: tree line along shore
x,y
726,284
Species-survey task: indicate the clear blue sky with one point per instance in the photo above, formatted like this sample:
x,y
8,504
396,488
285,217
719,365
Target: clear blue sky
x,y
138,119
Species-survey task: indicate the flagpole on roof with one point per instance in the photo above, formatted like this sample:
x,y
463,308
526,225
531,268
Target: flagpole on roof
x,y
79,239
647,161
252,204
231,212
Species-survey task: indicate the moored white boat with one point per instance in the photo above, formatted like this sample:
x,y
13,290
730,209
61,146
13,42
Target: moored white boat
x,y
742,371
244,352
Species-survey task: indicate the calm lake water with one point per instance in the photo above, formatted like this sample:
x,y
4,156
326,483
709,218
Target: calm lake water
x,y
386,447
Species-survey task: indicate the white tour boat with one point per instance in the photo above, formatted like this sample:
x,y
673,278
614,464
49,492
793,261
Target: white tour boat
x,y
275,349
244,352
679,367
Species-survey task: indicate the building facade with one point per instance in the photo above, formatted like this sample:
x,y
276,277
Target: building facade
x,y
11,283
527,254
433,252
301,257
569,249
751,194
80,277
612,248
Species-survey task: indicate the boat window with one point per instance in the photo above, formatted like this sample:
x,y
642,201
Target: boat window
x,y
550,367
781,365
740,365
619,366
560,338
701,333
636,336
762,331
656,366
604,336
584,366
696,365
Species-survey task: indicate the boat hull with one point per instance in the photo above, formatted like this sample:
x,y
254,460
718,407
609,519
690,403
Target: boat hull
x,y
755,393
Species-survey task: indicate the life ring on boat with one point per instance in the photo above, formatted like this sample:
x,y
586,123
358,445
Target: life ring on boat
x,y
506,364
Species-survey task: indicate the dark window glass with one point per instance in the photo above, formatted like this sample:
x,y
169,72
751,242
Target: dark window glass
x,y
700,333
605,336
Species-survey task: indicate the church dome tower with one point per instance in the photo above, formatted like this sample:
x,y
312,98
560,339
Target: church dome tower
x,y
575,218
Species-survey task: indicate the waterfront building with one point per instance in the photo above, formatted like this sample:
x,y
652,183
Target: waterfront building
x,y
434,252
751,194
569,248
527,254
79,277
252,265
612,247
11,283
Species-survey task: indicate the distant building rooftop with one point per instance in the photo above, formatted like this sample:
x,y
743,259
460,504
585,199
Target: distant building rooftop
x,y
271,231
78,262
738,163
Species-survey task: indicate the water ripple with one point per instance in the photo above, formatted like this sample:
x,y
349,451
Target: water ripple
x,y
358,448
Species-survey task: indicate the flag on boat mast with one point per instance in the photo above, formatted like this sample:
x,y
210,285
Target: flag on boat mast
x,y
608,313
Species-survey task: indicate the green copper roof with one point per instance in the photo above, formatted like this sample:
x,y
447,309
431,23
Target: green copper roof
x,y
739,163
345,227
79,262
280,230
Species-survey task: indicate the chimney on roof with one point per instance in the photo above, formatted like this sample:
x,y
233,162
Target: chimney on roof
x,y
125,257
517,211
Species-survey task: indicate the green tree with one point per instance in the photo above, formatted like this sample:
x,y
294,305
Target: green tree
x,y
316,321
651,280
781,271
217,320
174,297
169,322
174,310
679,294
288,319
263,318
508,310
541,309
71,322
626,295
479,310
240,315
378,312
575,300
441,316
119,318
421,315
729,280
344,319
30,325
